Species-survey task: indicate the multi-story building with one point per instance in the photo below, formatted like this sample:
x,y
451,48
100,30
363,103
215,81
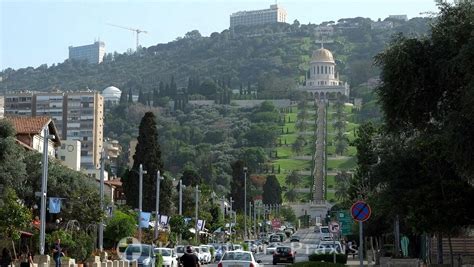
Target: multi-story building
x,y
2,106
70,154
78,116
19,103
399,17
272,15
93,53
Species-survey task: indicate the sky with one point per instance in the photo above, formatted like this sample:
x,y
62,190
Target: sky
x,y
35,32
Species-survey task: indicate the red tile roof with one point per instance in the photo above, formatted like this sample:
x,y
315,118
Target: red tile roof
x,y
29,125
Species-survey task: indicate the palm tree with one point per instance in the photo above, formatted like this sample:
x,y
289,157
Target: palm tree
x,y
343,180
291,195
293,179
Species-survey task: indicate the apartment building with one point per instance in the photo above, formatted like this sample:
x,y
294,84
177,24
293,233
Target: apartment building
x,y
254,17
77,116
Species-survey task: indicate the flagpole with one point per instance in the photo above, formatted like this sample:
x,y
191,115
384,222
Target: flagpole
x,y
44,190
101,187
196,234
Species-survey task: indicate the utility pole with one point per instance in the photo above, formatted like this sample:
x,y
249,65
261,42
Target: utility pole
x,y
245,202
180,197
101,188
197,208
255,219
157,203
140,196
250,214
44,189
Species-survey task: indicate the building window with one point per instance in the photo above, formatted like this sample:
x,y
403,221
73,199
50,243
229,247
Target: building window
x,y
63,158
318,69
326,69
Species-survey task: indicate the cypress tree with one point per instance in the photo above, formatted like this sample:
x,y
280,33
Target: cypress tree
x,y
237,185
271,191
130,96
123,98
148,153
141,97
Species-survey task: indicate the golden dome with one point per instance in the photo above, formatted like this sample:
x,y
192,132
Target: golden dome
x,y
322,55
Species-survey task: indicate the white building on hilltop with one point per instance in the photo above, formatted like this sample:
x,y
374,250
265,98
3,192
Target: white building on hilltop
x,y
322,80
111,96
254,17
93,53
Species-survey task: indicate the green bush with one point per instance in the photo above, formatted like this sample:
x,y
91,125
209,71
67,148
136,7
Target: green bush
x,y
317,264
158,260
340,258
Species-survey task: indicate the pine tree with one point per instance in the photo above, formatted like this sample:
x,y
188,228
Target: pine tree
x,y
148,153
271,191
173,88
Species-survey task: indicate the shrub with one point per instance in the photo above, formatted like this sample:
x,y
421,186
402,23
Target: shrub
x,y
340,258
159,260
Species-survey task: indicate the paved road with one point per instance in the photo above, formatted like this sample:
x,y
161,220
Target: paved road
x,y
303,248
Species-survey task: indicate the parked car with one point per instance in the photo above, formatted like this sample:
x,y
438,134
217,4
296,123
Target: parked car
x,y
142,253
236,247
271,248
179,250
169,256
205,254
326,247
251,245
295,238
324,233
284,254
275,238
238,258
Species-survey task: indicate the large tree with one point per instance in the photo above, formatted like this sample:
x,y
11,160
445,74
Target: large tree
x,y
272,191
148,154
237,185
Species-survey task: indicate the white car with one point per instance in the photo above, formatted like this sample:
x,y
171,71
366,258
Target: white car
x,y
271,248
205,254
329,247
169,256
324,233
238,258
180,250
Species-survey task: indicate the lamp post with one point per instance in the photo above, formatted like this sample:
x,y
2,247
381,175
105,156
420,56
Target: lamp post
x,y
196,232
44,189
230,223
101,188
140,196
157,203
181,197
250,215
245,202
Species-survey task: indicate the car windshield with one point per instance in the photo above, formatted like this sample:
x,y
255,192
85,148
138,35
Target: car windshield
x,y
197,250
283,249
180,249
324,230
134,250
163,252
204,249
238,256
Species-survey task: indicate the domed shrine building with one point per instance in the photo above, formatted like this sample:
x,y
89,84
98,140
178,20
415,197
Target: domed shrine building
x,y
322,80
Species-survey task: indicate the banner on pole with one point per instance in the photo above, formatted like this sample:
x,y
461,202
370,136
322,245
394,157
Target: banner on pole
x,y
200,225
54,205
145,219
164,220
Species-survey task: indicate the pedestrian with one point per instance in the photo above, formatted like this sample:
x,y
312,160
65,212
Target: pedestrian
x,y
26,259
57,252
6,258
189,259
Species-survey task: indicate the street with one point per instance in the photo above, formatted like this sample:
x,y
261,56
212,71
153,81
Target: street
x,y
303,248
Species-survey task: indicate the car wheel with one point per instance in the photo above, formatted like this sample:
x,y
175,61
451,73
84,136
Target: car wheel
x,y
274,263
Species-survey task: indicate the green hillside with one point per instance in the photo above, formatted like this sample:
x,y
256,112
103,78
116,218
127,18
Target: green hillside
x,y
270,58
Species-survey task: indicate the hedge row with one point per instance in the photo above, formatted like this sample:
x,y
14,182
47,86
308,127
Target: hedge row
x,y
340,258
317,264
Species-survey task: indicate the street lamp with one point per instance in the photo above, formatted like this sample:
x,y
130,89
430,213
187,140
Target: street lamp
x,y
140,196
245,202
44,189
157,203
181,186
196,233
230,215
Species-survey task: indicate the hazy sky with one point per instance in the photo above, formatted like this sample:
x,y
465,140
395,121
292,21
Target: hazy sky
x,y
35,32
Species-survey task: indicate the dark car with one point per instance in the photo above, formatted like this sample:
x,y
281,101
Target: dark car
x,y
142,253
283,254
295,238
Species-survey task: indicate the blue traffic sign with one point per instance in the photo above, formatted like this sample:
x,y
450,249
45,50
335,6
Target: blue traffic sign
x,y
361,211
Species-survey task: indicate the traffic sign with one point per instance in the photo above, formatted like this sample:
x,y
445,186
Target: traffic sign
x,y
276,223
345,222
334,227
360,211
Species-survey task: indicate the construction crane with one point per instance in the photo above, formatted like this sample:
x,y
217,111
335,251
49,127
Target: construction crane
x,y
137,31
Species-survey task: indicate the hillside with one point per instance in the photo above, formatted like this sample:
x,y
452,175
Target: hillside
x,y
269,57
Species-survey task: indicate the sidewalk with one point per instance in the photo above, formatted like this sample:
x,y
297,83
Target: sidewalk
x,y
355,262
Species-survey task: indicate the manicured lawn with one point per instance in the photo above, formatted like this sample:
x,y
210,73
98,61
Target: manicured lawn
x,y
284,152
290,138
341,164
330,180
292,164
